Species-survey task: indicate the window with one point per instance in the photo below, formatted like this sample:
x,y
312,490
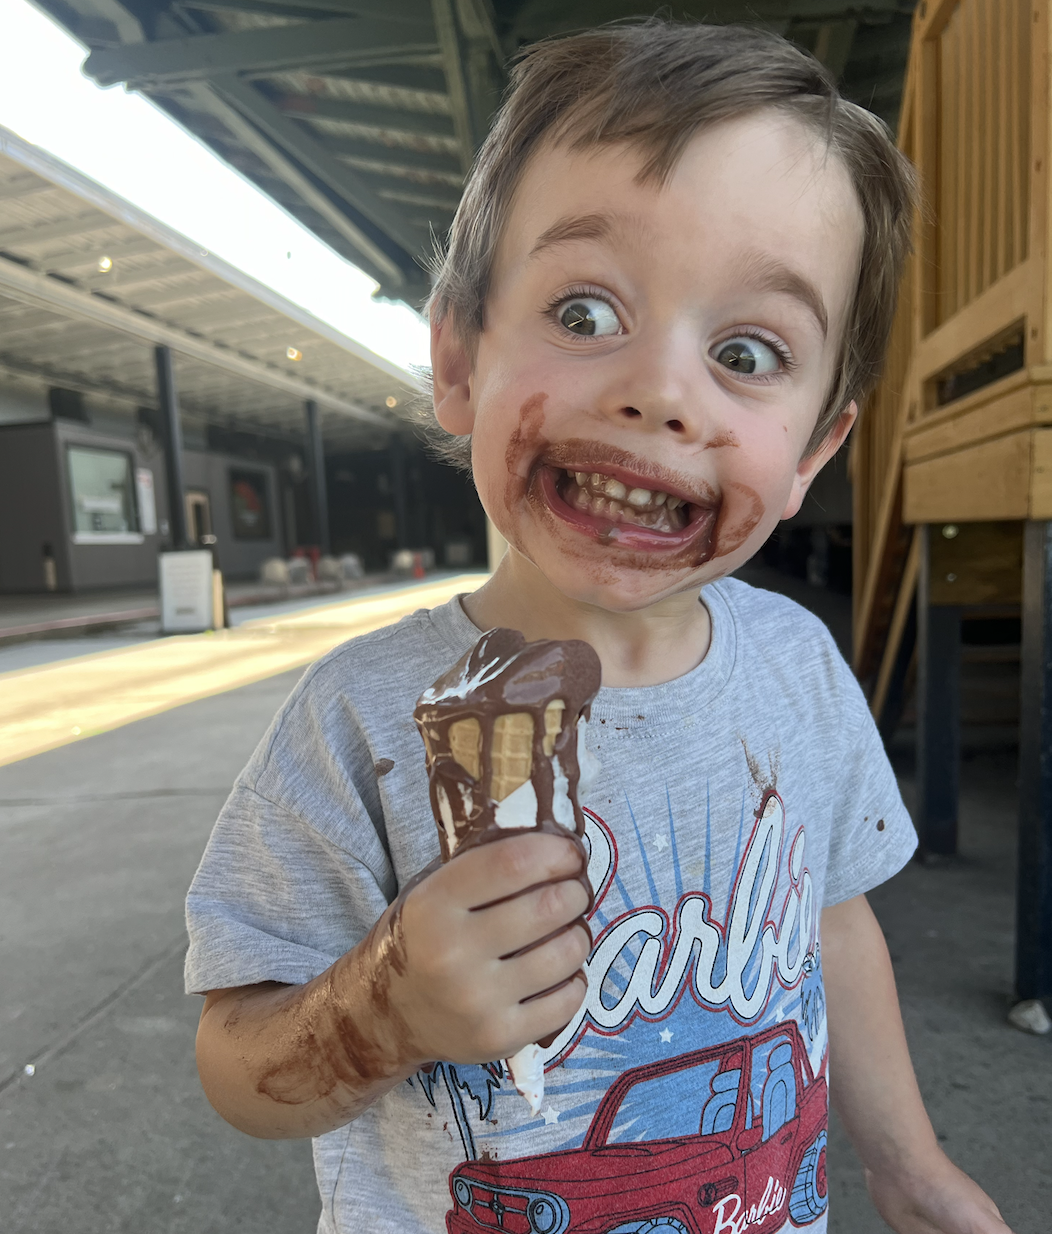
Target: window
x,y
684,1101
773,1087
102,489
249,507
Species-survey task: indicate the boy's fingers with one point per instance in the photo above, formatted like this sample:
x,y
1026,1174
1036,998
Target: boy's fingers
x,y
535,972
504,868
513,926
548,1012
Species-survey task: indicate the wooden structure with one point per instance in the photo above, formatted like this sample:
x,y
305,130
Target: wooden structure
x,y
953,459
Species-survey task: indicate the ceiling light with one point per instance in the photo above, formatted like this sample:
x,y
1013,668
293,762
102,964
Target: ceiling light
x,y
391,401
293,353
105,265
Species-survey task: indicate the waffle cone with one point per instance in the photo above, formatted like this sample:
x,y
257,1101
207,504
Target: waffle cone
x,y
465,744
512,753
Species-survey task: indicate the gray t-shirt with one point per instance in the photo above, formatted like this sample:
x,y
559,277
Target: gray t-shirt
x,y
690,1093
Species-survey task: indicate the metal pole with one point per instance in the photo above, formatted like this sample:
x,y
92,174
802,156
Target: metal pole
x,y
168,399
938,714
316,468
1034,894
398,488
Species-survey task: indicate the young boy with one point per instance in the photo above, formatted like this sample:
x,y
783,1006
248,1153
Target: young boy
x,y
669,282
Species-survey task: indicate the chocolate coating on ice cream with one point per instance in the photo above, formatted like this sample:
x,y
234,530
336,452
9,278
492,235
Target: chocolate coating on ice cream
x,y
501,733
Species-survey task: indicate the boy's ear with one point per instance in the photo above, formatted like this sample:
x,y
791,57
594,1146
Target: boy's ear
x,y
812,464
451,377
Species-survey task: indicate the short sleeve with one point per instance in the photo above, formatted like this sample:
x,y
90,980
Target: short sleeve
x,y
297,869
871,833
273,899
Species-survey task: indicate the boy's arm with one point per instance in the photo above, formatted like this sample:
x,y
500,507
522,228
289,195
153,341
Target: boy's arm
x,y
914,1185
476,961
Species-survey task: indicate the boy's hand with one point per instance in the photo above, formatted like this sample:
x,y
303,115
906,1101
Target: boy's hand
x,y
944,1201
477,960
484,955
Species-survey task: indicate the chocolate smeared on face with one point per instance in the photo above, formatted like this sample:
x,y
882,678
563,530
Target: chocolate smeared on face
x,y
501,733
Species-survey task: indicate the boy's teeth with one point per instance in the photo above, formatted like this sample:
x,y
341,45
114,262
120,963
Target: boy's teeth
x,y
605,497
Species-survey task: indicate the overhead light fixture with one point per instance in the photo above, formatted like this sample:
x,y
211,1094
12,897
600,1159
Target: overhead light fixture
x,y
391,401
293,353
105,265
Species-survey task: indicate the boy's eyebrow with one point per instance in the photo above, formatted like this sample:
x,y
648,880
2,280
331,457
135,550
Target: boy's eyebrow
x,y
767,273
597,226
759,270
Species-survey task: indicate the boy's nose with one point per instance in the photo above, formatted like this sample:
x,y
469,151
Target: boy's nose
x,y
658,391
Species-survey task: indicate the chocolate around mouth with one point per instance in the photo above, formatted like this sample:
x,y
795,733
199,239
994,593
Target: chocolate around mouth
x,y
615,509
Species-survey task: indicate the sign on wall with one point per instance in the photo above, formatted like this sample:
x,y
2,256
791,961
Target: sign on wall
x,y
249,507
147,502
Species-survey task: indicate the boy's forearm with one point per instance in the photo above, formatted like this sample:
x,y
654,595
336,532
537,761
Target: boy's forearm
x,y
873,1085
282,1062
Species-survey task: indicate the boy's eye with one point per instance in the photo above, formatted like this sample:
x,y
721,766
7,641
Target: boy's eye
x,y
587,315
748,355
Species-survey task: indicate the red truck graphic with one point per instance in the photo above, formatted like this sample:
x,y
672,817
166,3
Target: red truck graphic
x,y
726,1140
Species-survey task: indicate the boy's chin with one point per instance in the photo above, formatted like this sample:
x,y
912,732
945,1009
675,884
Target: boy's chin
x,y
616,586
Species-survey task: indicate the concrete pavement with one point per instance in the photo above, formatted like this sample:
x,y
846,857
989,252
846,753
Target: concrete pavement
x,y
44,707
112,1135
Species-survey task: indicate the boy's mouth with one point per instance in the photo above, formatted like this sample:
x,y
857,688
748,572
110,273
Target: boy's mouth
x,y
607,498
625,509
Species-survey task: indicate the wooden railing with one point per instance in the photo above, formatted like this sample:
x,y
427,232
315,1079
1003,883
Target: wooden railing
x,y
981,58
955,431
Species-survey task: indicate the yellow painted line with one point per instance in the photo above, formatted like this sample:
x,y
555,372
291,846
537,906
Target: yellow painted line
x,y
49,706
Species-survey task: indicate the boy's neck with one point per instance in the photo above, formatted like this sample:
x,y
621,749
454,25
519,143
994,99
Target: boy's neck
x,y
644,648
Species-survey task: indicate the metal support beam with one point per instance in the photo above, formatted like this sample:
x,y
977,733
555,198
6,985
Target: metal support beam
x,y
168,401
449,41
85,224
407,12
398,490
1034,886
313,44
298,143
938,714
316,475
384,119
395,159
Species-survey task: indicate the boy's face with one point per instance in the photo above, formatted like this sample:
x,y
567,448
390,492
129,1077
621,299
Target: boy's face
x,y
654,359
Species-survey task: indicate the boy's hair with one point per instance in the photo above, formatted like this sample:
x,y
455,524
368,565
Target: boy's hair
x,y
653,85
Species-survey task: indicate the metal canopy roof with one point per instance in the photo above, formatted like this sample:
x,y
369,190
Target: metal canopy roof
x,y
89,285
360,117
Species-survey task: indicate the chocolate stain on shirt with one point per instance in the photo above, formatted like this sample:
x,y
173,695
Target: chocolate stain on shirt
x,y
383,766
765,781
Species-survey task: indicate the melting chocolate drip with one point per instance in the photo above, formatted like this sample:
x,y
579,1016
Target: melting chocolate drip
x,y
503,675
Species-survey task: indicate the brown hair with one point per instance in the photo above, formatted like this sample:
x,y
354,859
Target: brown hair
x,y
653,85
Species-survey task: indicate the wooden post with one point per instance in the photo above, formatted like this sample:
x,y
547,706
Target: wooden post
x,y
1034,894
938,713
